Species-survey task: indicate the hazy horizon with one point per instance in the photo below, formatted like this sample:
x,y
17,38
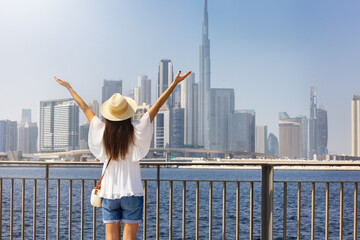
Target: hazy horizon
x,y
271,53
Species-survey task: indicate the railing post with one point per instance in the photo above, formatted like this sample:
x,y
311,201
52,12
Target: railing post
x,y
167,154
267,186
46,200
0,208
158,202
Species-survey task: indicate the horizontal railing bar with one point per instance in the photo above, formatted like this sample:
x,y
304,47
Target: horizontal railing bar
x,y
180,180
254,162
317,181
152,179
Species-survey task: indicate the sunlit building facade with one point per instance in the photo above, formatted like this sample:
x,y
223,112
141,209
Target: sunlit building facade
x,y
59,125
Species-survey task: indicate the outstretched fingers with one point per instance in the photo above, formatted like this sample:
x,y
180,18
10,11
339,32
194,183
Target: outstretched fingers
x,y
186,74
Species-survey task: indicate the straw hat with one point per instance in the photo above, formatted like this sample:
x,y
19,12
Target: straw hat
x,y
118,108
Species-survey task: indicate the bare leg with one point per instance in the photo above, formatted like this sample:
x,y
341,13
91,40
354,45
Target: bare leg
x,y
112,231
130,230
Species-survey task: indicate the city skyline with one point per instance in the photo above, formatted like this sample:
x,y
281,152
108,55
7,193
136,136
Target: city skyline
x,y
270,55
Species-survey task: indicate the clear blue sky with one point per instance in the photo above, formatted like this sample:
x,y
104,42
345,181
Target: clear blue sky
x,y
270,52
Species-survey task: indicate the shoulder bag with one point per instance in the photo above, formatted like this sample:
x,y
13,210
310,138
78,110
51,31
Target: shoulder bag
x,y
96,200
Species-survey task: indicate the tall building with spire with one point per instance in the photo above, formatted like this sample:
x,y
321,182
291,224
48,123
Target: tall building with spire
x,y
204,84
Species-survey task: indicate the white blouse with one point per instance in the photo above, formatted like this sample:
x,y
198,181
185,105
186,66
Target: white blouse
x,y
122,177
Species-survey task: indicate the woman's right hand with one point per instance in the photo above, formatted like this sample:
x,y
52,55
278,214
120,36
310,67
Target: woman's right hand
x,y
63,83
179,78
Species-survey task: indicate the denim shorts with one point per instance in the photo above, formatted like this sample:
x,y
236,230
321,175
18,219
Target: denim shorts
x,y
127,209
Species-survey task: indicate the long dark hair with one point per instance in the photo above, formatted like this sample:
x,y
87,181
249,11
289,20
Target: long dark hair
x,y
118,137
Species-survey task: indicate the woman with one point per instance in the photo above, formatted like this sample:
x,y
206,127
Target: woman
x,y
124,143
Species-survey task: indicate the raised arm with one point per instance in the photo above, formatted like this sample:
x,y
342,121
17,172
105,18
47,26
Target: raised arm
x,y
165,95
84,107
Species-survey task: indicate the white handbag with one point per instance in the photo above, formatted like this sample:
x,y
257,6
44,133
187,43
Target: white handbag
x,y
95,199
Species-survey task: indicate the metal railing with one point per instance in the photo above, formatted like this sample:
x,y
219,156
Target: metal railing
x,y
156,186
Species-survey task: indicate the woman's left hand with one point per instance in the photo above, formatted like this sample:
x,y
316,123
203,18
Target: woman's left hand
x,y
62,82
179,78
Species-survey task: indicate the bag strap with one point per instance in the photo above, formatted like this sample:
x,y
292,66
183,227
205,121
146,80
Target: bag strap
x,y
98,186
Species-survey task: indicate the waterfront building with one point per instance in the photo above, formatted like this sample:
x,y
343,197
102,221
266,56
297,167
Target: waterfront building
x,y
272,145
59,125
110,87
204,84
94,106
25,115
355,126
27,137
165,78
242,132
261,139
303,121
222,107
313,123
322,131
83,136
177,127
8,135
162,128
189,102
290,139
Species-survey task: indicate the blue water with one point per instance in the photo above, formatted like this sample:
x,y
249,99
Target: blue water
x,y
182,174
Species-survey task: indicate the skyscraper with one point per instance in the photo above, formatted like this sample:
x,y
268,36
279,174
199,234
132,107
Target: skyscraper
x,y
204,84
25,115
94,106
59,125
8,135
355,126
222,107
165,78
83,136
162,128
322,131
242,132
273,145
189,103
195,114
142,92
304,136
261,139
27,137
177,127
288,139
312,123
109,88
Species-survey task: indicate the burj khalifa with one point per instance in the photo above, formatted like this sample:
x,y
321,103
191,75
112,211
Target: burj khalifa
x,y
204,101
